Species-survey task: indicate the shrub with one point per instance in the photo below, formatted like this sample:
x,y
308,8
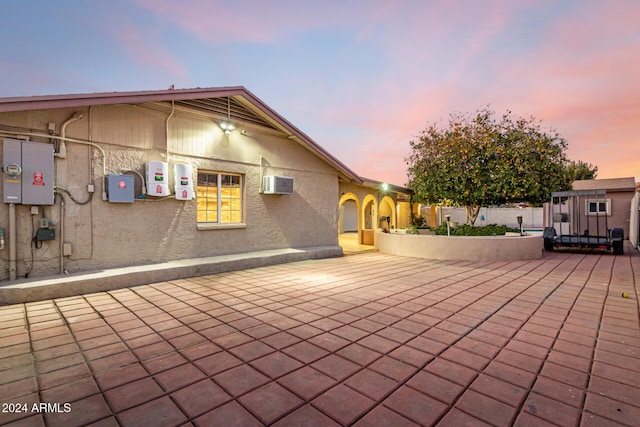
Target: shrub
x,y
469,230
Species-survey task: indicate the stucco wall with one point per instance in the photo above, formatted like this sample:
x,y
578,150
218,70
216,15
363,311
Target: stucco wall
x,y
460,248
105,235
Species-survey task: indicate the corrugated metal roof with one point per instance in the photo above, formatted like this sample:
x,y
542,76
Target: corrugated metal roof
x,y
609,184
234,102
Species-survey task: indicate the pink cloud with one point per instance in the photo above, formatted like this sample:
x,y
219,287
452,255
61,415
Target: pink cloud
x,y
150,54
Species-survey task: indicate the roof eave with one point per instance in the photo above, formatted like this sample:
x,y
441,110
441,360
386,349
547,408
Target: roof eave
x,y
110,98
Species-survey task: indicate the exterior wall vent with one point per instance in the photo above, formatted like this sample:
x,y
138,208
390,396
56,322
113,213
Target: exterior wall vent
x,y
277,185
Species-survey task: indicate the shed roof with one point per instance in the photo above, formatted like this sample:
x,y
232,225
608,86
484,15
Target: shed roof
x,y
609,184
237,102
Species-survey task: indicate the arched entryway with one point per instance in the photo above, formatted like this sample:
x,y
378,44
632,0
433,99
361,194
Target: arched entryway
x,y
387,217
349,225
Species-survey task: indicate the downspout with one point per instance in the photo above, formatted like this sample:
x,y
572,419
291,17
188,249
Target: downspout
x,y
61,234
12,241
62,150
166,128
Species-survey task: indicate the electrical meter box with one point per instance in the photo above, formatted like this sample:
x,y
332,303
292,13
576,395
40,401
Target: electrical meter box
x,y
183,181
157,179
120,188
27,172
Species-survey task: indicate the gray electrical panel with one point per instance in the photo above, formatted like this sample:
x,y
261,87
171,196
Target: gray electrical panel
x,y
120,188
27,172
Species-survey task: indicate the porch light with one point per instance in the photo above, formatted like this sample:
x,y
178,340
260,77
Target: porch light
x,y
385,186
227,127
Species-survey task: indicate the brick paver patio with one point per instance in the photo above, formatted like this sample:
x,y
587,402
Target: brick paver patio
x,y
365,340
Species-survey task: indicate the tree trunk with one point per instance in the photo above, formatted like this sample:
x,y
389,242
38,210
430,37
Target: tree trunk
x,y
472,213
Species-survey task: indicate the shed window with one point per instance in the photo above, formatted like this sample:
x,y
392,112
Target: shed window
x,y
599,207
219,197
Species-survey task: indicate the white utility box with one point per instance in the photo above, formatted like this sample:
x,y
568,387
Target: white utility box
x,y
157,179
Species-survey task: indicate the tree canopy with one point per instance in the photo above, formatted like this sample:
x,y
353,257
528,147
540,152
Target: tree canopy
x,y
580,170
479,160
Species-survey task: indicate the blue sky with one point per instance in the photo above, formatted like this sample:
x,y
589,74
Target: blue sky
x,y
362,78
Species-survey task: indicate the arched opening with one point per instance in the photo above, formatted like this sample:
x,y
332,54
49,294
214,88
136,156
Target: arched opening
x,y
387,218
350,223
369,216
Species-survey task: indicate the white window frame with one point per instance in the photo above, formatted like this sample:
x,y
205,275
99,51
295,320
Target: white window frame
x,y
589,202
218,224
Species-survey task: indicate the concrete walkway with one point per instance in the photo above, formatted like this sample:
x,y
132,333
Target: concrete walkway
x,y
365,340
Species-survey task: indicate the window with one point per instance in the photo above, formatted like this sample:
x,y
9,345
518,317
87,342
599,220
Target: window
x,y
219,198
599,207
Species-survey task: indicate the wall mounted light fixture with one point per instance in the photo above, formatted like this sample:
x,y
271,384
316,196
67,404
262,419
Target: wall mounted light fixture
x,y
227,127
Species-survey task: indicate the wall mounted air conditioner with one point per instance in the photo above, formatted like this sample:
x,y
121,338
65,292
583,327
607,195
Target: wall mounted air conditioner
x,y
277,185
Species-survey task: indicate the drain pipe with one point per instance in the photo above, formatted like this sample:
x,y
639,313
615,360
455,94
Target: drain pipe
x,y
12,241
166,127
61,235
62,149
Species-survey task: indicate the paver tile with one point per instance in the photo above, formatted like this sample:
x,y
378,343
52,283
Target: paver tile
x,y
411,356
617,411
241,379
615,390
164,362
457,418
229,415
371,384
393,368
199,351
307,416
15,389
452,371
276,364
486,408
71,392
336,367
307,382
270,402
559,391
435,386
551,410
158,412
132,394
119,376
81,413
381,416
280,340
342,404
416,406
329,342
200,398
217,363
305,352
565,375
251,350
498,389
178,377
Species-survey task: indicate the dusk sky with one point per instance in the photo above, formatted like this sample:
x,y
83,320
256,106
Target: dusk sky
x,y
361,78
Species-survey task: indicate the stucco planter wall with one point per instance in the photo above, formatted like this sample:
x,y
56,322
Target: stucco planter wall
x,y
460,248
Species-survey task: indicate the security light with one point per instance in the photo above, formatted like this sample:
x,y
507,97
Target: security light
x,y
227,127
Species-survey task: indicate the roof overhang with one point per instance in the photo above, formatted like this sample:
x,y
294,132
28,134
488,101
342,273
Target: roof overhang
x,y
372,183
200,99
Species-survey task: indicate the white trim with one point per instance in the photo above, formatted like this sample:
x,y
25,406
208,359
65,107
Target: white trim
x,y
597,201
221,226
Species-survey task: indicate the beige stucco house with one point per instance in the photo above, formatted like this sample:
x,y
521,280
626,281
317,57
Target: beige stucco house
x,y
103,180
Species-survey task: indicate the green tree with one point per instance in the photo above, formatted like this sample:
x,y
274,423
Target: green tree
x,y
480,161
580,170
